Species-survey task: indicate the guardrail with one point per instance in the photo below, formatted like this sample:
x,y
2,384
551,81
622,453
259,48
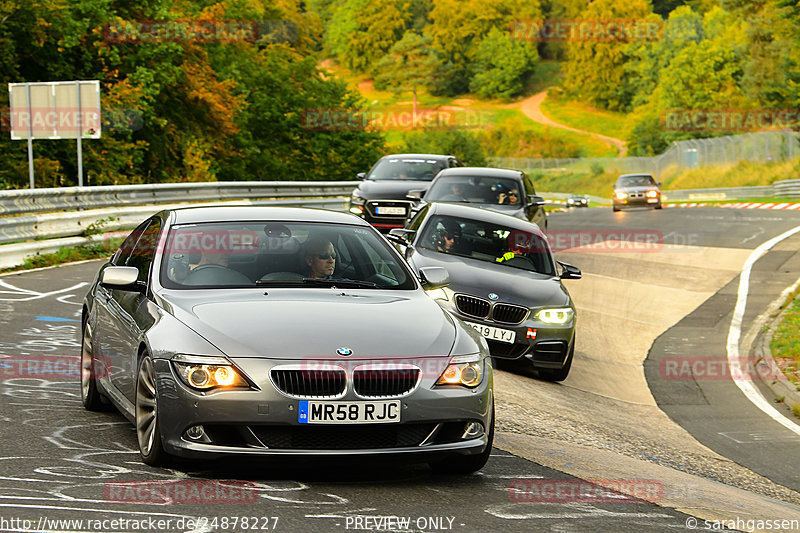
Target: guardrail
x,y
27,201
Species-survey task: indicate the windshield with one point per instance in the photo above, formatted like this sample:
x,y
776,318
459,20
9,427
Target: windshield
x,y
636,181
418,169
492,243
280,254
475,190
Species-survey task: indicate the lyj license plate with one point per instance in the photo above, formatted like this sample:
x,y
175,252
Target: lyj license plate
x,y
383,412
497,334
390,210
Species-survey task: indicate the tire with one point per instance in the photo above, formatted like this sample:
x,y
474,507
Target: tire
x,y
614,208
562,373
91,396
658,205
148,428
463,465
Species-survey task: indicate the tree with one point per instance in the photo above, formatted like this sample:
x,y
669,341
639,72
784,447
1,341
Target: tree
x,y
502,65
463,144
408,65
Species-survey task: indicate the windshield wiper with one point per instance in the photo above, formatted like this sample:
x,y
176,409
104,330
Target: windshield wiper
x,y
319,282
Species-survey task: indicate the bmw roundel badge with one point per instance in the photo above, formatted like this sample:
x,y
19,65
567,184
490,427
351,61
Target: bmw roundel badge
x,y
344,352
493,296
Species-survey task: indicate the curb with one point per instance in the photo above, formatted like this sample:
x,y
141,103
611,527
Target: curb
x,y
738,205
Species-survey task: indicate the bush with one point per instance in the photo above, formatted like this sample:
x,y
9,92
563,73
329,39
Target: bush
x,y
461,143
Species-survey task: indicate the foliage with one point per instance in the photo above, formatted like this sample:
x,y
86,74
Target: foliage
x,y
513,139
463,144
502,65
407,66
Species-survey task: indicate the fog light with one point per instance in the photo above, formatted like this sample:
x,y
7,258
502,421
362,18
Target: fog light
x,y
473,431
195,432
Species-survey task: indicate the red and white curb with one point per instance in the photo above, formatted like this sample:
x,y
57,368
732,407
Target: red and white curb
x,y
741,205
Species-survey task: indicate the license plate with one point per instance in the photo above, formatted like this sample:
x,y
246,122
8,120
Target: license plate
x,y
384,412
390,210
497,334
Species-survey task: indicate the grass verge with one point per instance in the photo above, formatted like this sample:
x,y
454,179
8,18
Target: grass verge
x,y
64,255
785,344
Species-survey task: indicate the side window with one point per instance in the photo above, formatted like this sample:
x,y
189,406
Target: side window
x,y
145,249
126,248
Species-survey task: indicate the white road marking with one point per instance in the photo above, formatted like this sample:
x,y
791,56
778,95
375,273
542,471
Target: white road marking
x,y
735,333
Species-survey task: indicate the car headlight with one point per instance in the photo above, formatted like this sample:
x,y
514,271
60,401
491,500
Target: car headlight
x,y
652,194
561,315
357,204
621,195
463,370
206,373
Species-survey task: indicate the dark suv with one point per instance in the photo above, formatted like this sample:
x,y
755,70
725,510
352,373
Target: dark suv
x,y
636,190
381,198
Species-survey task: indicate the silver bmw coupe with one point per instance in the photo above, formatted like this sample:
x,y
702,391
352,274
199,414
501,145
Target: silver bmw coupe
x,y
282,332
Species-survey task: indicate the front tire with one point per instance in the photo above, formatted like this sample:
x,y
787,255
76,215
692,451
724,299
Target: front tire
x,y
148,429
90,394
463,465
658,205
614,208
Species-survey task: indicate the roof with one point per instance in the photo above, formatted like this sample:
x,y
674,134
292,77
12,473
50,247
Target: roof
x,y
482,171
418,156
191,215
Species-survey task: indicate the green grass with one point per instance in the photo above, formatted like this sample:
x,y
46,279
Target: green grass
x,y
785,344
65,255
585,117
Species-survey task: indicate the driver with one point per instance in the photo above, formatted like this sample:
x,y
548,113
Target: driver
x,y
447,237
320,257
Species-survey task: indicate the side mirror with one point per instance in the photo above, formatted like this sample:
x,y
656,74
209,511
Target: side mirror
x,y
658,183
361,175
416,194
400,236
124,278
569,271
535,200
613,185
434,277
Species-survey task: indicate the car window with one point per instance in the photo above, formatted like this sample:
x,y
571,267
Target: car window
x,y
122,254
143,252
488,242
394,168
475,190
636,181
257,254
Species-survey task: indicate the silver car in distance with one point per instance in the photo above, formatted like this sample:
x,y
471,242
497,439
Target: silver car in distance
x,y
275,331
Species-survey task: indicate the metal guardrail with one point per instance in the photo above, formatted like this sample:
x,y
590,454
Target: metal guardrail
x,y
27,201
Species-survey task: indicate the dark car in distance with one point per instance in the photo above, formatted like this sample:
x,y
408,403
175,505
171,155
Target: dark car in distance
x,y
636,190
504,282
506,191
380,198
578,200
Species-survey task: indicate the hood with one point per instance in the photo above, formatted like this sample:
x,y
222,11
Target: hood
x,y
312,322
637,188
390,189
479,278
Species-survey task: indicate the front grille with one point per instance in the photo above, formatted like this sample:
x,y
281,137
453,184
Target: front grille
x,y
552,351
305,383
509,314
343,436
381,383
472,306
505,350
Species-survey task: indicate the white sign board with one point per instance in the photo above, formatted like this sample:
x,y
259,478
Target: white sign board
x,y
55,110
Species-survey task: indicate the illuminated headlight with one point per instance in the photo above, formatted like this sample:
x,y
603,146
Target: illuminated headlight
x,y
652,194
465,370
206,373
621,195
555,316
357,204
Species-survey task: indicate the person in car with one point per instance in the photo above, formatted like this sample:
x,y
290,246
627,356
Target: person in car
x,y
447,238
508,198
320,256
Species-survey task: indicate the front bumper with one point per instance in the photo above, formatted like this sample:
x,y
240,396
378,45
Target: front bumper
x,y
371,212
265,422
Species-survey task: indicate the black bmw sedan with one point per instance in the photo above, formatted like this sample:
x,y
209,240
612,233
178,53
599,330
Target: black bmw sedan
x,y
504,282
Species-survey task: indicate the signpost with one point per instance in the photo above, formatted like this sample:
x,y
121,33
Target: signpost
x,y
55,110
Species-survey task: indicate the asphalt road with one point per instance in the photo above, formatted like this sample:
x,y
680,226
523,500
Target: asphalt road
x,y
62,462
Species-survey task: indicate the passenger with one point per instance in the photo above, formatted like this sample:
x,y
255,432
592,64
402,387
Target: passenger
x,y
509,198
320,256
